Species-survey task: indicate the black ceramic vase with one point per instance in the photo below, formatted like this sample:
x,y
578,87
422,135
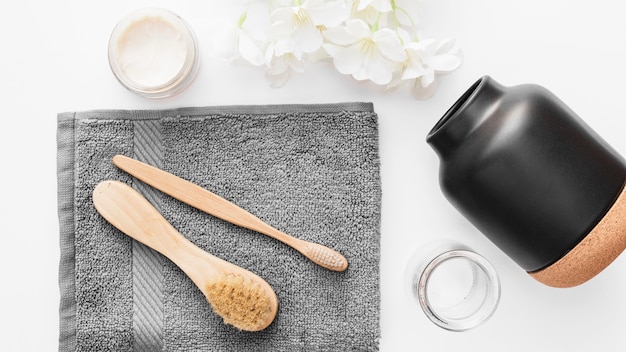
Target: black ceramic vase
x,y
535,179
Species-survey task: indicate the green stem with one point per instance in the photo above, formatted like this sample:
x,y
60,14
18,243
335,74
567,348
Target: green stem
x,y
376,24
395,9
242,19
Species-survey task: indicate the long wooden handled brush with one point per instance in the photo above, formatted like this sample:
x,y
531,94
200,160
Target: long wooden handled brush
x,y
239,296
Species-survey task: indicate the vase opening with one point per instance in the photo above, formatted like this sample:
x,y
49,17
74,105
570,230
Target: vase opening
x,y
456,106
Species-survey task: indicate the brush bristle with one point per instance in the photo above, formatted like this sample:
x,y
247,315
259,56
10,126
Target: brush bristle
x,y
327,257
241,302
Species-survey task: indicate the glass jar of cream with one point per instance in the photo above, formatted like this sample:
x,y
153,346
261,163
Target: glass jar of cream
x,y
154,53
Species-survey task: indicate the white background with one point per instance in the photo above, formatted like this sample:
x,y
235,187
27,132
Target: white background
x,y
53,59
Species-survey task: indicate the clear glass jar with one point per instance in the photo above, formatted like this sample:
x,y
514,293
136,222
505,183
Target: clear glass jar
x,y
154,53
456,288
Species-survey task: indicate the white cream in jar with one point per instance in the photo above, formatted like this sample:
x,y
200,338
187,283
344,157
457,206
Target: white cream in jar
x,y
153,53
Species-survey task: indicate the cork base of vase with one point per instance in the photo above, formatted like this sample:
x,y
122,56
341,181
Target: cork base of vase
x,y
593,254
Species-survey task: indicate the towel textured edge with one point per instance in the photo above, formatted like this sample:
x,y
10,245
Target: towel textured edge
x,y
65,193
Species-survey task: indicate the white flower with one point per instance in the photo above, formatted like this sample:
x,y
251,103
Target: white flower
x,y
427,58
296,29
279,67
373,40
364,53
295,32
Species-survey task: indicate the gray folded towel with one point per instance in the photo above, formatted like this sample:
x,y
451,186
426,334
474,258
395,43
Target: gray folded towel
x,y
309,170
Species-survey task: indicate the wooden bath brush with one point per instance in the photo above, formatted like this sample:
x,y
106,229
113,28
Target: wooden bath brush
x,y
239,296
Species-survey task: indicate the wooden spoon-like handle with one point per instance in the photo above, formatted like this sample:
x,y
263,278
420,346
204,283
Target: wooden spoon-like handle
x,y
131,213
200,198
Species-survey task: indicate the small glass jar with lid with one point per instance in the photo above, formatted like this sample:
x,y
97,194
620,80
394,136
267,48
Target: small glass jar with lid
x,y
153,53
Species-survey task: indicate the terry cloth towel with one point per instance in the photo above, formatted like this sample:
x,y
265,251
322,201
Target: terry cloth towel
x,y
309,170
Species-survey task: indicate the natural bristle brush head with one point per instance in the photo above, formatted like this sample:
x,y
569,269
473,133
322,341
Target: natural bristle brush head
x,y
243,303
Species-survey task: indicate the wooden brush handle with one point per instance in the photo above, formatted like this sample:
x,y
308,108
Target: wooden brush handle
x,y
217,206
133,214
194,195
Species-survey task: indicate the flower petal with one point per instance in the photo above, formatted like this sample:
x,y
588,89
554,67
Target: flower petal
x,y
363,4
296,64
427,46
278,65
328,13
389,44
423,92
346,60
413,71
339,35
284,45
358,28
270,49
307,39
284,14
404,36
377,69
381,5
249,50
427,78
445,46
443,63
